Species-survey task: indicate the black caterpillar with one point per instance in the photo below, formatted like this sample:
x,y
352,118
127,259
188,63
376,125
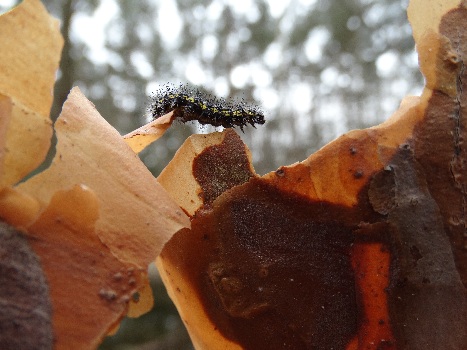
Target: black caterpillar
x,y
190,104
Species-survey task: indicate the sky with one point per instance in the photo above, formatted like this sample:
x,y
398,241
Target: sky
x,y
90,29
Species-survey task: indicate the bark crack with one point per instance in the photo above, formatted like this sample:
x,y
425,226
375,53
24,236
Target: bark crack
x,y
457,160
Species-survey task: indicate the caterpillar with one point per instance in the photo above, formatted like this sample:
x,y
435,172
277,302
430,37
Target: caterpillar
x,y
190,104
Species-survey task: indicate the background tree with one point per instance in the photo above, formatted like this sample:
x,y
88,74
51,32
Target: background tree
x,y
317,68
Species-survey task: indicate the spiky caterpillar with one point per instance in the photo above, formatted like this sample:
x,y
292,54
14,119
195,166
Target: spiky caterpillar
x,y
190,104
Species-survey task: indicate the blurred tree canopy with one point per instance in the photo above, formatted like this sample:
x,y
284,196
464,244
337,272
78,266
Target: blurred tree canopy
x,y
317,68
